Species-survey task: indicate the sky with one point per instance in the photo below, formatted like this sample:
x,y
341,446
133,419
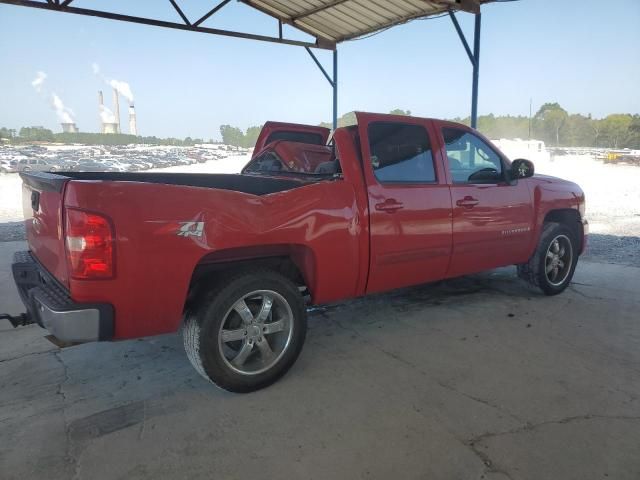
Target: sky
x,y
583,54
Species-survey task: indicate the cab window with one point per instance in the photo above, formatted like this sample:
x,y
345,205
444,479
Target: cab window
x,y
400,153
470,159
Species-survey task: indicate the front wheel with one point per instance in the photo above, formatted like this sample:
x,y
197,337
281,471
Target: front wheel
x,y
246,333
552,265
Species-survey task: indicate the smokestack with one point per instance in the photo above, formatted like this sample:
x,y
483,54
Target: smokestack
x,y
116,108
133,128
100,109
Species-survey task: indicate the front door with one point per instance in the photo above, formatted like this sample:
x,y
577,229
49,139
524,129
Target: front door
x,y
492,218
409,202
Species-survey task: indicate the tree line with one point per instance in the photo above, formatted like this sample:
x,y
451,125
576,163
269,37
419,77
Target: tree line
x,y
41,134
558,128
551,124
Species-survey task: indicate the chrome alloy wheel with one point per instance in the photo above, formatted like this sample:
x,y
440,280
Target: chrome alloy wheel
x,y
558,260
256,332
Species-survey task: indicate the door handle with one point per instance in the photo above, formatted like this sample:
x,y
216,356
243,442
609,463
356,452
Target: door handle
x,y
467,202
390,205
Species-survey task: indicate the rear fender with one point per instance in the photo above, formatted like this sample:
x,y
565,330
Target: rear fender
x,y
296,262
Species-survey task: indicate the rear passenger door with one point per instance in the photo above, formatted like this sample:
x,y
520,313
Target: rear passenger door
x,y
492,217
409,202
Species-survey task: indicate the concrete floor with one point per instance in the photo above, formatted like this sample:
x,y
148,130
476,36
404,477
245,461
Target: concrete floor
x,y
477,378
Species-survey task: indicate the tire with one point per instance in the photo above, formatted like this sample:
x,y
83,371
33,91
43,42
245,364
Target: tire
x,y
260,342
553,263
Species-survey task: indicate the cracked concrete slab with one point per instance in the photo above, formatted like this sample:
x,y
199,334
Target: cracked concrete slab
x,y
565,448
474,378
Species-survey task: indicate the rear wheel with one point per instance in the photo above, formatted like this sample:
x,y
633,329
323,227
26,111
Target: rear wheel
x,y
552,265
244,335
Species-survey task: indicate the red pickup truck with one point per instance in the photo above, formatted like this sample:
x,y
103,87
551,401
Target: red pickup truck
x,y
312,219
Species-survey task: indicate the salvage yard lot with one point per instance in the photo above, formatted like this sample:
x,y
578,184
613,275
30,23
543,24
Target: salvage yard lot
x,y
478,377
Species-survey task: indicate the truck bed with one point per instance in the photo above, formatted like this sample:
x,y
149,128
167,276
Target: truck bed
x,y
253,184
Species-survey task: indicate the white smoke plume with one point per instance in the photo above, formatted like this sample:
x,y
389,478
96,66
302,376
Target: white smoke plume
x,y
107,115
65,114
123,88
38,81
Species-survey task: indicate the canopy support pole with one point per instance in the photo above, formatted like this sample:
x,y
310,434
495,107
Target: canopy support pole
x,y
476,71
333,81
335,89
474,58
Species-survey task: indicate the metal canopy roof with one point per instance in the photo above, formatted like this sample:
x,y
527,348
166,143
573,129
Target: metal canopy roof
x,y
334,21
328,21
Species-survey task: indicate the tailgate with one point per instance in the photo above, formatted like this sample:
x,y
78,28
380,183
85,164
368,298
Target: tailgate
x,y
42,200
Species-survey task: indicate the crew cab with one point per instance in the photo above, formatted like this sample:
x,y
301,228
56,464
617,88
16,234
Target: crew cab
x,y
234,260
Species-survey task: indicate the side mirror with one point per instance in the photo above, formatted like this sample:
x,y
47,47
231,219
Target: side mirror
x,y
521,168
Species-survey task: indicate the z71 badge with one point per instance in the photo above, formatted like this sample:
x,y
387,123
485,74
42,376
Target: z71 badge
x,y
191,229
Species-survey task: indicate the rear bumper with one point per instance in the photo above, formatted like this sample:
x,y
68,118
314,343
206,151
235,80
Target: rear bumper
x,y
49,304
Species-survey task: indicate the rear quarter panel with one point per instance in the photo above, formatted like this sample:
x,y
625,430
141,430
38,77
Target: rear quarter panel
x,y
154,264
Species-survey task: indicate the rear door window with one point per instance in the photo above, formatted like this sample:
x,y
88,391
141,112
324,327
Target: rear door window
x,y
400,153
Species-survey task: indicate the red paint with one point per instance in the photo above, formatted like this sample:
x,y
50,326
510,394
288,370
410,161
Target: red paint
x,y
492,223
410,224
349,236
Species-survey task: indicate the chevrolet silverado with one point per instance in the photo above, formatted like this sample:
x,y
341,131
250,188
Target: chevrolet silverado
x,y
234,260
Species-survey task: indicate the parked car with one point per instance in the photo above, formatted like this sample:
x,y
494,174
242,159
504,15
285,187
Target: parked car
x,y
9,166
64,165
33,164
391,202
88,165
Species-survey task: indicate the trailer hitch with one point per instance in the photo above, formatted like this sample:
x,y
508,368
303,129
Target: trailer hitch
x,y
17,320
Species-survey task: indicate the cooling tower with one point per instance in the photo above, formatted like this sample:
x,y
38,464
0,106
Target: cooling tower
x,y
69,128
110,127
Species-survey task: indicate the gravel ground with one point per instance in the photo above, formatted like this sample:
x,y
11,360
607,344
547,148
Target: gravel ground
x,y
12,231
613,202
613,205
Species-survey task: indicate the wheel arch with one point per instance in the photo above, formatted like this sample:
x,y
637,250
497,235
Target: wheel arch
x,y
569,217
295,262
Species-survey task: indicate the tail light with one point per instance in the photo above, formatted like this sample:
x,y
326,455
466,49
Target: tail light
x,y
89,241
